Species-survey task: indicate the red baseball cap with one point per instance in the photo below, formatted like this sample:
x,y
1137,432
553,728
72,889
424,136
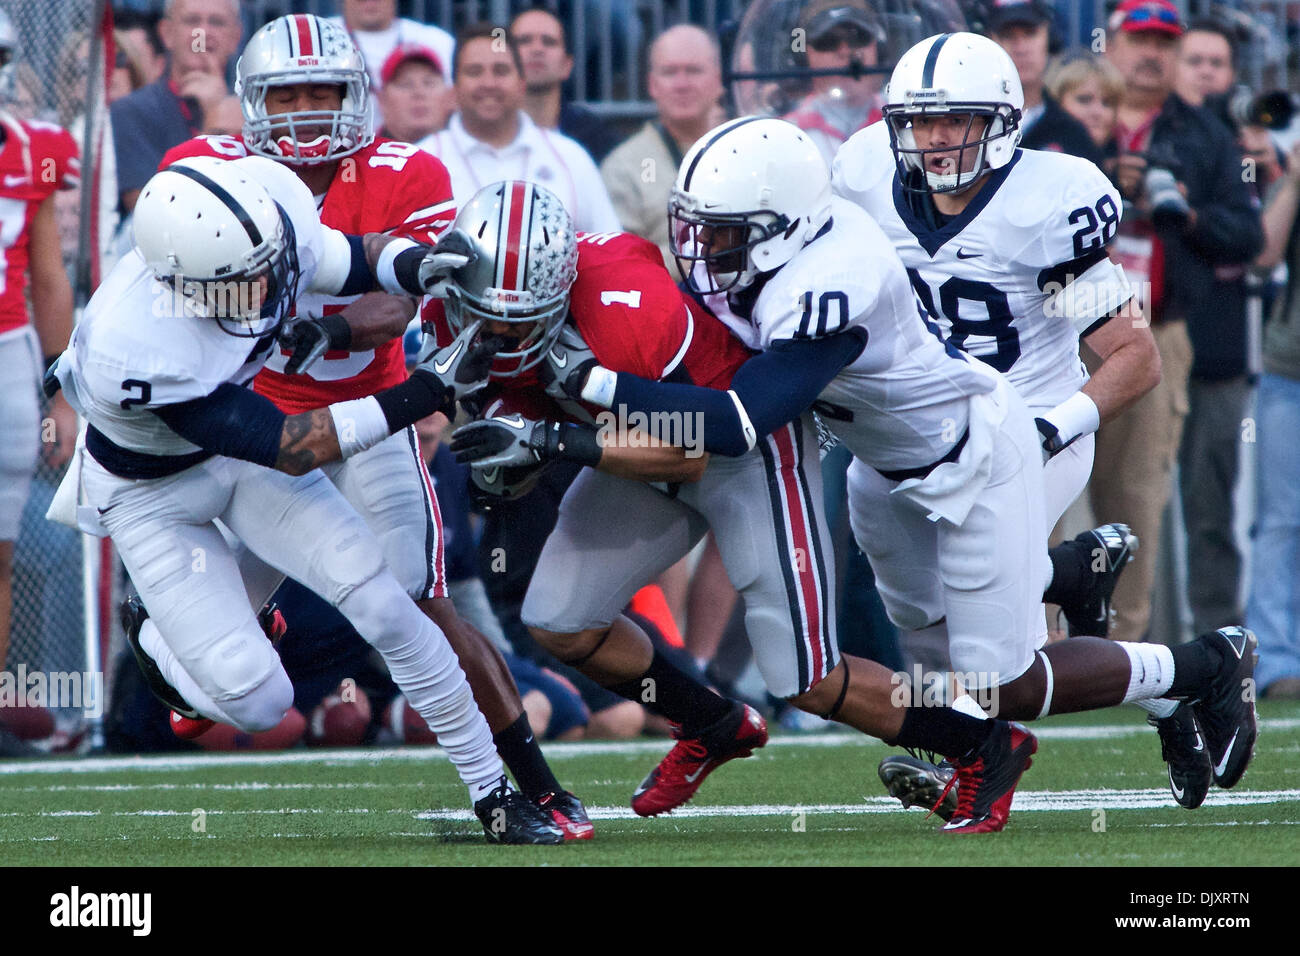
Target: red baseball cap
x,y
405,53
1160,16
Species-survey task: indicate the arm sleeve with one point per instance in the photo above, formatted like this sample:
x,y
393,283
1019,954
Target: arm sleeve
x,y
231,421
769,390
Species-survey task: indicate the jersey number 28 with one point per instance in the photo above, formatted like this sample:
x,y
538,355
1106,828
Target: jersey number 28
x,y
955,290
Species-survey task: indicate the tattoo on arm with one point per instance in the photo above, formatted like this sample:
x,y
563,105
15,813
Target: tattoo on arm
x,y
307,441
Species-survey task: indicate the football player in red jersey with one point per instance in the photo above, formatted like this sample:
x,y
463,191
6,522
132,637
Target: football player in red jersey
x,y
36,160
304,92
522,278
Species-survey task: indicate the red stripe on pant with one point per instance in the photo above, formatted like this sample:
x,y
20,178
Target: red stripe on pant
x,y
801,538
439,556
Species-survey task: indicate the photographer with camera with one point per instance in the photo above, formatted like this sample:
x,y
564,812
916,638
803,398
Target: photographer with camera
x,y
1189,231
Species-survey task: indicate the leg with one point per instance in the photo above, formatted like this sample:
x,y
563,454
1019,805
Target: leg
x,y
1274,609
1131,480
19,453
1208,464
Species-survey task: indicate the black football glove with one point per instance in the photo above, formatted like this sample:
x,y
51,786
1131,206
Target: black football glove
x,y
567,364
512,441
1052,444
462,366
308,339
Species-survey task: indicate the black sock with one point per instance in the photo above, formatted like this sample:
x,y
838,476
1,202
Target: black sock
x,y
671,693
1195,664
521,753
943,730
1071,574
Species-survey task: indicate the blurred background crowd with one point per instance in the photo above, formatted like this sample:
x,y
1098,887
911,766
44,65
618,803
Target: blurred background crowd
x,y
599,99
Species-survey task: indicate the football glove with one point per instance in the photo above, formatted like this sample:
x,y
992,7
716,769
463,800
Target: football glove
x,y
462,366
567,364
1052,444
451,253
512,441
306,340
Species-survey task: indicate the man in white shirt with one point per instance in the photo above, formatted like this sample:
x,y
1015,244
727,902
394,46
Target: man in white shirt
x,y
491,138
377,31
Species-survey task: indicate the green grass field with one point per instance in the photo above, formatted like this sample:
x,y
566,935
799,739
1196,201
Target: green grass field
x,y
1096,795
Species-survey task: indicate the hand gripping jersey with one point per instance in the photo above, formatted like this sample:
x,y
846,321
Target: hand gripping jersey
x,y
990,274
138,348
387,187
903,402
37,159
635,319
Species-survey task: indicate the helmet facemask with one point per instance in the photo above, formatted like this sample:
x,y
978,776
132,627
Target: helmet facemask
x,y
307,137
715,250
513,308
1000,124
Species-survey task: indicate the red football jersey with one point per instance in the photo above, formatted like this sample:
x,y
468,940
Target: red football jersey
x,y
634,319
387,187
37,159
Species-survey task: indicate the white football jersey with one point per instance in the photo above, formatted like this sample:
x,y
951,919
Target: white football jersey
x,y
902,403
138,348
989,273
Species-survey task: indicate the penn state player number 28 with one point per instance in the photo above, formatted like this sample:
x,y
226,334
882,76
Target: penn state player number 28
x,y
952,292
1098,227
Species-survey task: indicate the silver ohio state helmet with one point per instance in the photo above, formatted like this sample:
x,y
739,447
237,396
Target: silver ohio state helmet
x,y
523,253
302,48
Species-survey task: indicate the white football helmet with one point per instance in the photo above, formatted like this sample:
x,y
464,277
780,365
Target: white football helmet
x,y
523,260
748,196
303,48
954,73
211,233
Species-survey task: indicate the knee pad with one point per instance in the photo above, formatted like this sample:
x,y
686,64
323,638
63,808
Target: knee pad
x,y
264,706
235,665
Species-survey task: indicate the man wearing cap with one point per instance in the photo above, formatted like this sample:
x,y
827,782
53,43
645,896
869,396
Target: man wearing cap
x,y
1024,29
414,97
543,46
1190,227
490,138
377,31
839,34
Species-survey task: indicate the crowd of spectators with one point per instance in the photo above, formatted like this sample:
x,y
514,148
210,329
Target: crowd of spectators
x,y
1209,226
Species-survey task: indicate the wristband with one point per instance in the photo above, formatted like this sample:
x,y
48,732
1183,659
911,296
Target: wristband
x,y
600,386
336,329
570,442
358,424
387,268
418,397
1075,416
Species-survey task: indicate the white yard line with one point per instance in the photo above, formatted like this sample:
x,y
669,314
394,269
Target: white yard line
x,y
554,751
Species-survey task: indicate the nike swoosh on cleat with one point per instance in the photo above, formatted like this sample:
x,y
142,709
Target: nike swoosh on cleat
x,y
691,778
1200,743
1178,791
1222,764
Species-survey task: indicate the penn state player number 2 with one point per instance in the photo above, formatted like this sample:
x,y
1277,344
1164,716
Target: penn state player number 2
x,y
952,292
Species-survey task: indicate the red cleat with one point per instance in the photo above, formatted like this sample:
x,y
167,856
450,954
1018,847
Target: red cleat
x,y
568,813
681,772
987,779
187,728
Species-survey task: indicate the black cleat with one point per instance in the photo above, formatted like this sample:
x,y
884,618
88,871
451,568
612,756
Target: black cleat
x,y
133,614
567,812
1226,711
510,817
920,783
1183,748
1109,549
